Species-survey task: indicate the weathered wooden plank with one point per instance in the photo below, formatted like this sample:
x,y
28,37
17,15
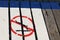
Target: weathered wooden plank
x,y
57,17
51,25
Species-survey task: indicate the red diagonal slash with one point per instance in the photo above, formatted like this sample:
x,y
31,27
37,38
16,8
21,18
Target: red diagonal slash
x,y
30,29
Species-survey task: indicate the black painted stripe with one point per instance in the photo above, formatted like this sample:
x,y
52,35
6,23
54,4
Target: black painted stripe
x,y
9,20
36,38
21,21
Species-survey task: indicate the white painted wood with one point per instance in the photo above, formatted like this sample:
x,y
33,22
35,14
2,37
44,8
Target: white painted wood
x,y
15,12
40,24
38,19
26,12
4,24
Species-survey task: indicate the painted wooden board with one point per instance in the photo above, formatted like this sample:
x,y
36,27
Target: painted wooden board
x,y
4,24
40,26
28,27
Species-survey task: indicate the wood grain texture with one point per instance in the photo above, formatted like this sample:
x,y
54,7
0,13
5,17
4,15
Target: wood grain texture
x,y
51,24
56,14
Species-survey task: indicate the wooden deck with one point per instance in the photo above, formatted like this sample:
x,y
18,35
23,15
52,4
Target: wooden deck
x,y
52,20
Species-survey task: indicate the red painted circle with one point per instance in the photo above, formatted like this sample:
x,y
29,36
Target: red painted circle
x,y
30,29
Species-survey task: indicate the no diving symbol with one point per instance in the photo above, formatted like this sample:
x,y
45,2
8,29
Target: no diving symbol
x,y
31,30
